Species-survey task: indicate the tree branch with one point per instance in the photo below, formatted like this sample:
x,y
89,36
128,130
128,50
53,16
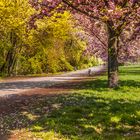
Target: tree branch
x,y
79,10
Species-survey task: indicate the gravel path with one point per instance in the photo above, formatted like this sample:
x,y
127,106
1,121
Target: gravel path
x,y
13,87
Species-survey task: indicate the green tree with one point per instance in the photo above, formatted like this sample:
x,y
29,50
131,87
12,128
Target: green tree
x,y
14,16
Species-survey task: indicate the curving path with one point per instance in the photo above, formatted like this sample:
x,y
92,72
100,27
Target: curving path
x,y
13,87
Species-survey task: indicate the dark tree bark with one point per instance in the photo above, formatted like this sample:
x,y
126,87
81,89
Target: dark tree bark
x,y
112,58
8,66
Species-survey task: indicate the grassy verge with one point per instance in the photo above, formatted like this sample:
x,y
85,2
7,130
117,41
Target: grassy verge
x,y
90,112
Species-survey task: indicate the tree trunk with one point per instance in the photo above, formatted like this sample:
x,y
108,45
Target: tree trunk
x,y
112,59
8,66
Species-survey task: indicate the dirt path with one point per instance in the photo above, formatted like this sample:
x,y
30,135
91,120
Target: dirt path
x,y
18,96
14,87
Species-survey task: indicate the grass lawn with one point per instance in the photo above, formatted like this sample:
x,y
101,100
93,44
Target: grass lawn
x,y
90,112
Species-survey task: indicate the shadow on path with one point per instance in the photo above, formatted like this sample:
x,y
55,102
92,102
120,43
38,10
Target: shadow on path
x,y
88,116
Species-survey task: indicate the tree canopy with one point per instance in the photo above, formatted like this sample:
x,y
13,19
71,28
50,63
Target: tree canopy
x,y
119,17
32,32
53,46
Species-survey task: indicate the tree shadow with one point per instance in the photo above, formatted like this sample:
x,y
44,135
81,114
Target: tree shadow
x,y
92,117
24,85
130,72
98,85
74,116
135,70
84,116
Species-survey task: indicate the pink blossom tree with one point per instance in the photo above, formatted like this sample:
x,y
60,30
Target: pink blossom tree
x,y
121,21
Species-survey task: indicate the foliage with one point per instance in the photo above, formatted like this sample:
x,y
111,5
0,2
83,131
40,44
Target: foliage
x,y
120,19
39,50
13,22
55,45
120,16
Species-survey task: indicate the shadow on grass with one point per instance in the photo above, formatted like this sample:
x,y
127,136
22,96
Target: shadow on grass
x,y
75,116
99,85
130,72
133,70
92,117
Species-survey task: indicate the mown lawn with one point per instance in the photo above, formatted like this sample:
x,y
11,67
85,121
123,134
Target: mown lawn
x,y
90,112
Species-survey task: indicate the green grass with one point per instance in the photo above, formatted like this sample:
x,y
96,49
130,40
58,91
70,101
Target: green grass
x,y
91,112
